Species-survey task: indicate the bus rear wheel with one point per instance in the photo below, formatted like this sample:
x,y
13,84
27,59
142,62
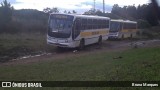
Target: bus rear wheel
x,y
82,44
100,40
131,36
122,37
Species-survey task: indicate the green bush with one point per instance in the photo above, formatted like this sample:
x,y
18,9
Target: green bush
x,y
13,27
142,24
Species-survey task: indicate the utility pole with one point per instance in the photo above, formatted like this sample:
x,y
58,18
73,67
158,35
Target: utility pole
x,y
103,6
94,6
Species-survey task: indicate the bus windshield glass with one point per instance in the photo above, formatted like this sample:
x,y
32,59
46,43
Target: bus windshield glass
x,y
60,26
115,26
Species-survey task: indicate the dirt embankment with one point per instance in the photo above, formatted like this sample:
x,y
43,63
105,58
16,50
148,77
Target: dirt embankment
x,y
107,46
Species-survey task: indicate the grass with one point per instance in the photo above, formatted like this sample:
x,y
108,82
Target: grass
x,y
17,45
131,65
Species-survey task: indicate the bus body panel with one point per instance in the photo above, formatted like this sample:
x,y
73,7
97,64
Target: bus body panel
x,y
125,29
90,36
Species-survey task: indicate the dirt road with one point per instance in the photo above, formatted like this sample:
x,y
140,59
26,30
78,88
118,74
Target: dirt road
x,y
107,46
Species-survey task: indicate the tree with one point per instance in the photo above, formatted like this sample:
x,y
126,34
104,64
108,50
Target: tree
x,y
90,12
99,13
116,9
6,11
65,11
131,10
69,12
5,14
94,12
49,10
55,10
156,8
144,12
151,17
74,12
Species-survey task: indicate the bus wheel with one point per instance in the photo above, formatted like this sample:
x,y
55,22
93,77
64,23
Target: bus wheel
x,y
122,37
131,36
59,49
100,40
82,44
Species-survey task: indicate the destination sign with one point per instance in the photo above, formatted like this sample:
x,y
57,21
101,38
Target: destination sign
x,y
61,16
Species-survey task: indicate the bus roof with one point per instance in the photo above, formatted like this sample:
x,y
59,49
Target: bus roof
x,y
85,16
123,21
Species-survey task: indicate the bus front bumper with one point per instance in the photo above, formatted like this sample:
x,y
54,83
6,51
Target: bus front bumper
x,y
67,45
112,37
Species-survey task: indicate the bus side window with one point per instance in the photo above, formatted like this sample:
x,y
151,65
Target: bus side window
x,y
84,24
129,26
107,23
77,28
101,21
99,24
104,25
78,24
120,26
134,26
125,26
95,23
89,24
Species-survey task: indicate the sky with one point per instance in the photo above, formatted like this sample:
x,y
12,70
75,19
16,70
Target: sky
x,y
79,6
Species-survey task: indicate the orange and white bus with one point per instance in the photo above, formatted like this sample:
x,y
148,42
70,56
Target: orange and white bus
x,y
120,29
67,30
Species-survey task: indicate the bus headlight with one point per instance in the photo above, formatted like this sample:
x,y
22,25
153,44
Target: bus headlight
x,y
49,38
66,41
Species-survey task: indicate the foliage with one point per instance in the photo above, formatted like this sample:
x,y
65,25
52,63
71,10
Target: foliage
x,y
51,10
94,12
152,32
90,12
24,20
22,44
143,24
31,20
156,7
113,16
5,15
145,12
100,13
65,11
74,12
69,12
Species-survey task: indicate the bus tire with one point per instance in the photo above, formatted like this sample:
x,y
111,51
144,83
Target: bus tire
x,y
122,37
100,40
82,44
59,49
131,36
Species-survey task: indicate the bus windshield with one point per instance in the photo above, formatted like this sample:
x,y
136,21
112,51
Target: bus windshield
x,y
115,26
60,26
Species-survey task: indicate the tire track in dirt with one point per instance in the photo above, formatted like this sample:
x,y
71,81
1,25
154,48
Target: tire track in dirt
x,y
107,46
